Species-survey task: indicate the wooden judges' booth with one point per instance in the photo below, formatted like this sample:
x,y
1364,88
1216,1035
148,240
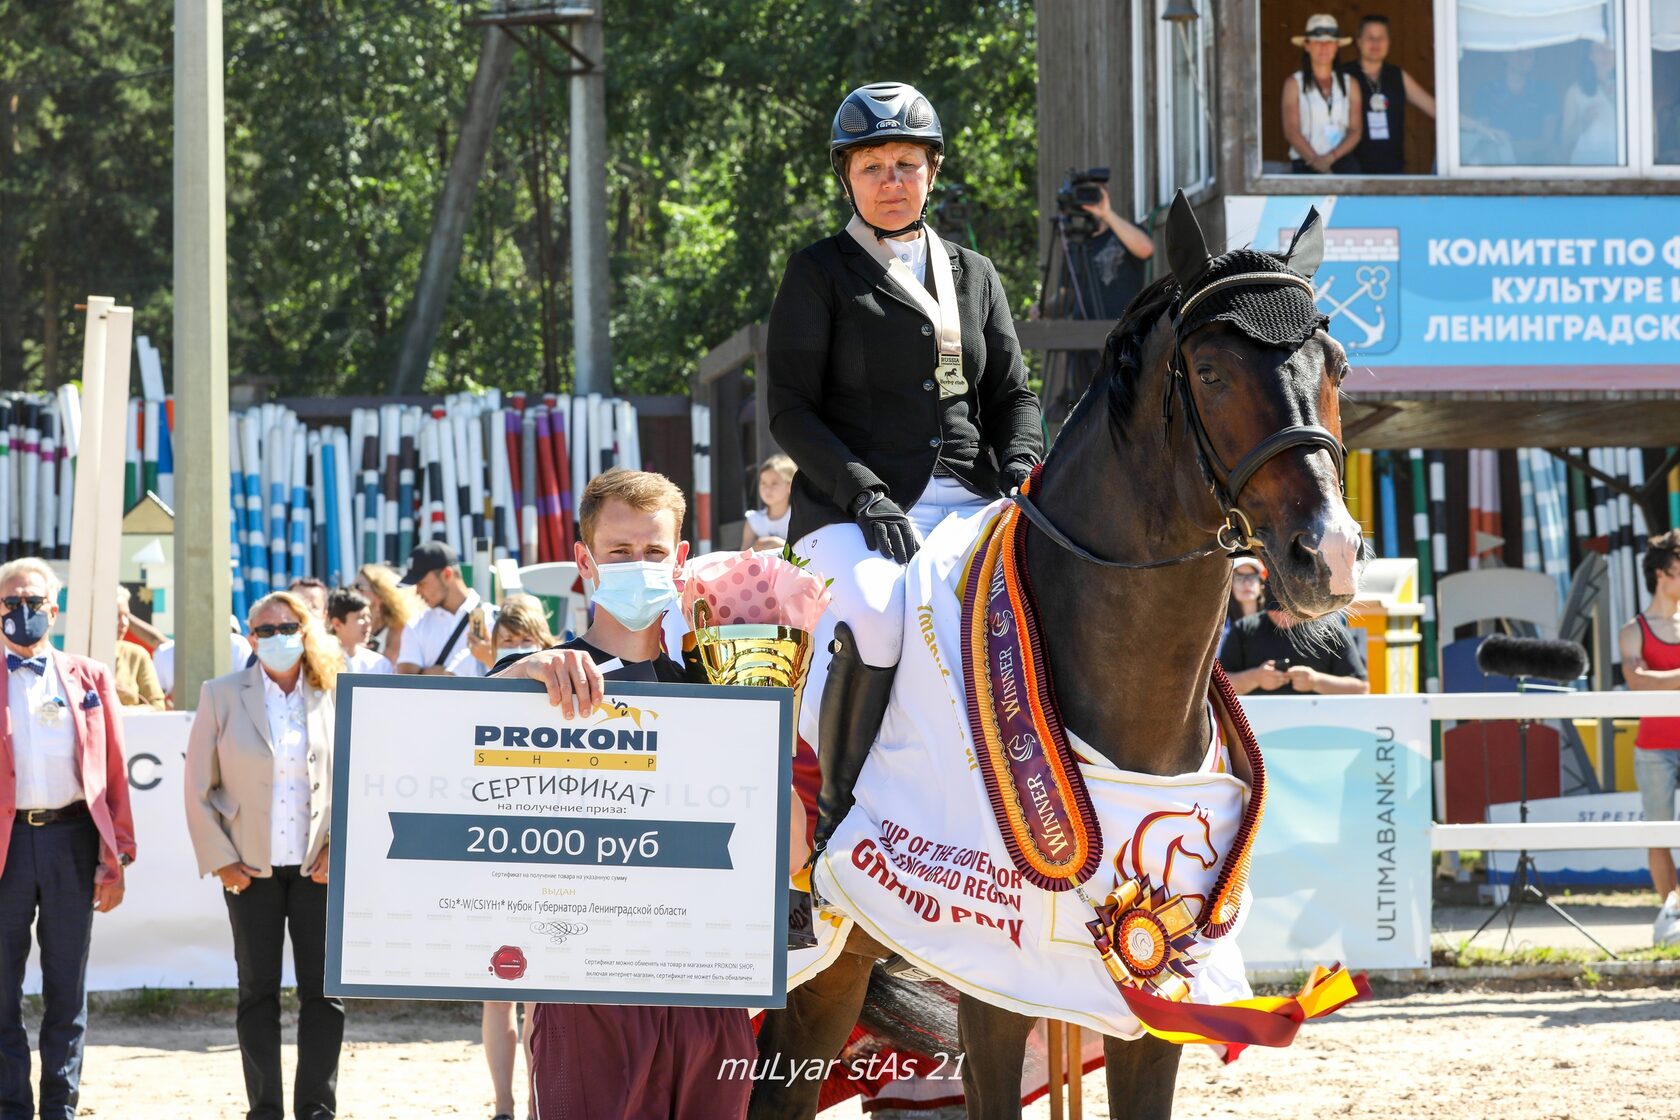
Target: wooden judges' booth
x,y
1517,288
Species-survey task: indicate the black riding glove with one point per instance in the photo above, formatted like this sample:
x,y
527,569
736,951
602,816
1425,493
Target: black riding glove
x,y
887,530
1014,476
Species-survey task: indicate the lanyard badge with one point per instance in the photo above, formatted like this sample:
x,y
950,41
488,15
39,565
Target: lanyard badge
x,y
949,374
949,371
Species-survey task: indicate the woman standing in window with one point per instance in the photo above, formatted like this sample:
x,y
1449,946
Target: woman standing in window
x,y
1323,112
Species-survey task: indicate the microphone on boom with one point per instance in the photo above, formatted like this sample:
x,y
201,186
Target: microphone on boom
x,y
1545,659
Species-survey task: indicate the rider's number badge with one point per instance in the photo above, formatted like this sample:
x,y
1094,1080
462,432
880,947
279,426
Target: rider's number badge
x,y
949,374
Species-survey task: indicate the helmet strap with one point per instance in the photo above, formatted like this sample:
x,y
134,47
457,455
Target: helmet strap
x,y
919,223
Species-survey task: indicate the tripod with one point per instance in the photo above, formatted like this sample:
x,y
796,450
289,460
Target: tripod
x,y
1525,877
1067,288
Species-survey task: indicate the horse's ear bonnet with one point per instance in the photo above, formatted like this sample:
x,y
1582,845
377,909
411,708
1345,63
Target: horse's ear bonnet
x,y
1187,252
1273,314
1306,251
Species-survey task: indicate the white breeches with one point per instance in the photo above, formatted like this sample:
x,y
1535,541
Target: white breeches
x,y
868,588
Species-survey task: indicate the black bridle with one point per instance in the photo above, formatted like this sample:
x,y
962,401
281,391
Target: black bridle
x,y
1237,531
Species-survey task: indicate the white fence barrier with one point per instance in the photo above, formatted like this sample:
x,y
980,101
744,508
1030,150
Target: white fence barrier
x,y
1547,836
1341,867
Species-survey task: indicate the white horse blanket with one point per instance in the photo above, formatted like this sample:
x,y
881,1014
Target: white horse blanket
x,y
921,865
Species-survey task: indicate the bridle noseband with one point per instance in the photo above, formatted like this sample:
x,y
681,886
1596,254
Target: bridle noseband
x,y
1237,531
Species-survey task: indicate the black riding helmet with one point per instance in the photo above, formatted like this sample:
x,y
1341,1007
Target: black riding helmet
x,y
881,113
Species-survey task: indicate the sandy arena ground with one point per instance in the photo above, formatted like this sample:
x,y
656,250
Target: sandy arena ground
x,y
1541,1055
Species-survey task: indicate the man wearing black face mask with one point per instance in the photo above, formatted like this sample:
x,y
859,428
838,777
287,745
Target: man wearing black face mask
x,y
66,834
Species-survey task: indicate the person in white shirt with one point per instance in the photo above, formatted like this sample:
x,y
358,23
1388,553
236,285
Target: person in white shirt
x,y
163,659
440,642
259,811
351,621
66,834
766,529
1323,113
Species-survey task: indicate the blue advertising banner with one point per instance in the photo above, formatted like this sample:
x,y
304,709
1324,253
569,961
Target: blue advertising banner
x,y
1574,292
1341,865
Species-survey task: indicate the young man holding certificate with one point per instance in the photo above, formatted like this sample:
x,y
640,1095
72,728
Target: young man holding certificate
x,y
613,1062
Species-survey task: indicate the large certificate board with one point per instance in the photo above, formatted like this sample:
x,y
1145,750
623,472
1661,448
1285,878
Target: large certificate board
x,y
485,848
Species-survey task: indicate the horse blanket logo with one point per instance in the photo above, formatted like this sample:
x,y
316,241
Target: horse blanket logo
x,y
1359,287
1147,933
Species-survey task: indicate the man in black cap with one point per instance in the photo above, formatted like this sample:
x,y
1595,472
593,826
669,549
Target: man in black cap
x,y
438,643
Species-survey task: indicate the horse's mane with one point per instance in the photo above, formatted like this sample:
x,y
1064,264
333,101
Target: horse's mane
x,y
1122,356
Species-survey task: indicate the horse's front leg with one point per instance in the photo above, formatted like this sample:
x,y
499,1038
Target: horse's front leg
x,y
816,1023
1141,1074
994,1042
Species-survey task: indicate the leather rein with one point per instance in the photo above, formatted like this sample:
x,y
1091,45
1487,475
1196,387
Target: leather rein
x,y
1237,532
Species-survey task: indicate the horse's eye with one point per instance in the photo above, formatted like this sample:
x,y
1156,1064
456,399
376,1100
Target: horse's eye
x,y
1342,372
1206,376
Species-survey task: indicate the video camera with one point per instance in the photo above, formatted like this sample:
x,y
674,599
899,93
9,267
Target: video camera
x,y
1079,190
952,210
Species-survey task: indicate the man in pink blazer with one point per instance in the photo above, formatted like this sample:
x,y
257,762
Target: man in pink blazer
x,y
66,835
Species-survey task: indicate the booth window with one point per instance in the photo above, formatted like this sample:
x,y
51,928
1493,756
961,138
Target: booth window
x,y
1183,58
1563,87
1664,75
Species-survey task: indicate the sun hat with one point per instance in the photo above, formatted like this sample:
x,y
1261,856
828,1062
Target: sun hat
x,y
1320,28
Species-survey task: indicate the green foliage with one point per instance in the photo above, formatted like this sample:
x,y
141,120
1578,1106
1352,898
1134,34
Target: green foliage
x,y
726,108
1462,955
340,120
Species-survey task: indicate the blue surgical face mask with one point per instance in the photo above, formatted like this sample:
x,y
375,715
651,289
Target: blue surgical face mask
x,y
280,652
635,592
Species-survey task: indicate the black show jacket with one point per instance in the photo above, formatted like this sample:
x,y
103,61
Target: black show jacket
x,y
852,395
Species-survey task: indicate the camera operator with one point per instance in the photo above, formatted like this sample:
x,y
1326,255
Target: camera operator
x,y
1117,256
1102,254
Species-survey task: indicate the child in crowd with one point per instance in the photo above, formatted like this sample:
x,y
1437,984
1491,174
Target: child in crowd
x,y
766,529
350,621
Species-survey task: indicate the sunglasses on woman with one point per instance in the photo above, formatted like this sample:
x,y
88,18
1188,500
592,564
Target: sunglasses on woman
x,y
268,630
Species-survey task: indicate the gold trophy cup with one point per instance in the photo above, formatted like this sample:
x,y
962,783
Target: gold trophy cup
x,y
759,654
750,653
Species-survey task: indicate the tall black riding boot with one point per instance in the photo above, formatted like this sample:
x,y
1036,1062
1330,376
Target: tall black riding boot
x,y
854,702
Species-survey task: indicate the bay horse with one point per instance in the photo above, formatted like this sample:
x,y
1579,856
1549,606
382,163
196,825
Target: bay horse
x,y
1132,516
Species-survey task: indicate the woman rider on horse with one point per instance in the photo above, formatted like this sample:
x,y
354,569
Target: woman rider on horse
x,y
896,384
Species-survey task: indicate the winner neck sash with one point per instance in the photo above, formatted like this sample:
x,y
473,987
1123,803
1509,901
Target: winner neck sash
x,y
1031,773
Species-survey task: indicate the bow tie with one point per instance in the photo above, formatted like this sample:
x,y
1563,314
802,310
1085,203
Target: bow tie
x,y
14,663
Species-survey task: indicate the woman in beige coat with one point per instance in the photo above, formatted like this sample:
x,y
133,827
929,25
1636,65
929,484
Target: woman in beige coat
x,y
259,787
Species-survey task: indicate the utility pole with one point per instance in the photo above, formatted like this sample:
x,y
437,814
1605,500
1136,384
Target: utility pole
x,y
202,576
449,224
527,23
590,277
